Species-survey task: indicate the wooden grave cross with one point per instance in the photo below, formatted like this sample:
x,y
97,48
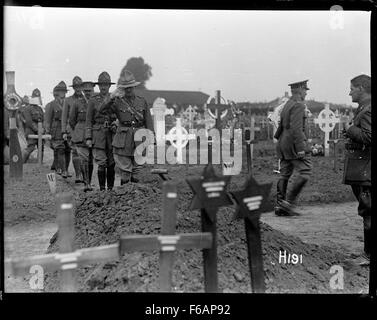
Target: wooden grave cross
x,y
179,137
68,259
40,137
250,141
168,242
190,114
159,111
13,103
209,194
252,201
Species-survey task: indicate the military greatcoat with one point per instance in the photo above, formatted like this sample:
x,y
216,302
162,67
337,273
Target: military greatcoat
x,y
291,133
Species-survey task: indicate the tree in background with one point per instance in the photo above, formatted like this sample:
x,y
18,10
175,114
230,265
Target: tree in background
x,y
141,70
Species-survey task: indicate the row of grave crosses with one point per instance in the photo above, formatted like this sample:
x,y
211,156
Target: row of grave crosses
x,y
209,195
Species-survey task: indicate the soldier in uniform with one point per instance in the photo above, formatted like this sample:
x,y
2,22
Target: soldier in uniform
x,y
67,130
100,130
132,112
53,121
77,121
32,115
292,150
47,107
357,171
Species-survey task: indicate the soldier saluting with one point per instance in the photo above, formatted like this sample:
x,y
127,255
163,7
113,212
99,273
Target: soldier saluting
x,y
99,133
132,112
292,149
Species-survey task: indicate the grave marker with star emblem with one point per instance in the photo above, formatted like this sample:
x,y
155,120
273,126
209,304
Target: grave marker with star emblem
x,y
251,202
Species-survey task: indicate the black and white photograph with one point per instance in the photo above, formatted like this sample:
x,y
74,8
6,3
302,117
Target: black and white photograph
x,y
187,151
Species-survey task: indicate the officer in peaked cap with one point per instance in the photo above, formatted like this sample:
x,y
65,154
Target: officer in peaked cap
x,y
53,123
67,130
292,150
100,129
77,122
133,113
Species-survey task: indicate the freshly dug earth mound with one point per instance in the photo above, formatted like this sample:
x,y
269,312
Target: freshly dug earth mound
x,y
102,217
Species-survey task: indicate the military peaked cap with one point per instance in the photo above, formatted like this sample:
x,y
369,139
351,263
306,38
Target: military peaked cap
x,y
300,84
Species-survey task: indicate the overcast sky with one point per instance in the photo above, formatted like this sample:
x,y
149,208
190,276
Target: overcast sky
x,y
248,55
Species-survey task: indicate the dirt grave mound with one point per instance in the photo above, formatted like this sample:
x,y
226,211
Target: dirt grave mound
x,y
102,217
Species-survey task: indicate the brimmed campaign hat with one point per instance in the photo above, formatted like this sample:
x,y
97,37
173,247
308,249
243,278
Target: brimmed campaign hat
x,y
36,93
104,78
87,85
76,82
127,80
61,87
300,84
35,101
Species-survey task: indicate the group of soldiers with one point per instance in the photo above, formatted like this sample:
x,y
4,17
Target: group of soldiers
x,y
293,151
90,127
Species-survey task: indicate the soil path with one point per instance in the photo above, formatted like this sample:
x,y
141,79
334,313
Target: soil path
x,y
332,224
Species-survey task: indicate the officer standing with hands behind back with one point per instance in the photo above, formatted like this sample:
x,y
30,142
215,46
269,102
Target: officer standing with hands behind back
x,y
292,150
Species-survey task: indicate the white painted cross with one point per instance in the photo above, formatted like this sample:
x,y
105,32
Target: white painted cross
x,y
179,137
159,111
326,121
190,114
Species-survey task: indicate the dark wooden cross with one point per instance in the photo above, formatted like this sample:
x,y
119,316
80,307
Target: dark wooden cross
x,y
334,143
68,259
250,141
209,194
13,103
40,138
252,201
168,242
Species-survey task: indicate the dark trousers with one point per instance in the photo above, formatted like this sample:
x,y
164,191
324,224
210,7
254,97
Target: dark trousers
x,y
363,196
302,166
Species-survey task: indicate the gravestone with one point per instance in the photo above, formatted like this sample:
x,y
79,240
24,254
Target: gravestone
x,y
326,121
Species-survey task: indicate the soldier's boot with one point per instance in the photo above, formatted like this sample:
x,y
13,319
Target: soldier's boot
x,y
289,205
101,172
85,174
280,196
110,176
54,162
77,168
67,161
135,172
61,164
126,177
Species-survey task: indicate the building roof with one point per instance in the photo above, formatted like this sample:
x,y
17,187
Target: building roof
x,y
174,97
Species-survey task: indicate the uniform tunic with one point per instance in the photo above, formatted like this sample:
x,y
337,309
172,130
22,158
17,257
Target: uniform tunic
x,y
129,122
292,138
291,133
358,157
98,129
53,117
